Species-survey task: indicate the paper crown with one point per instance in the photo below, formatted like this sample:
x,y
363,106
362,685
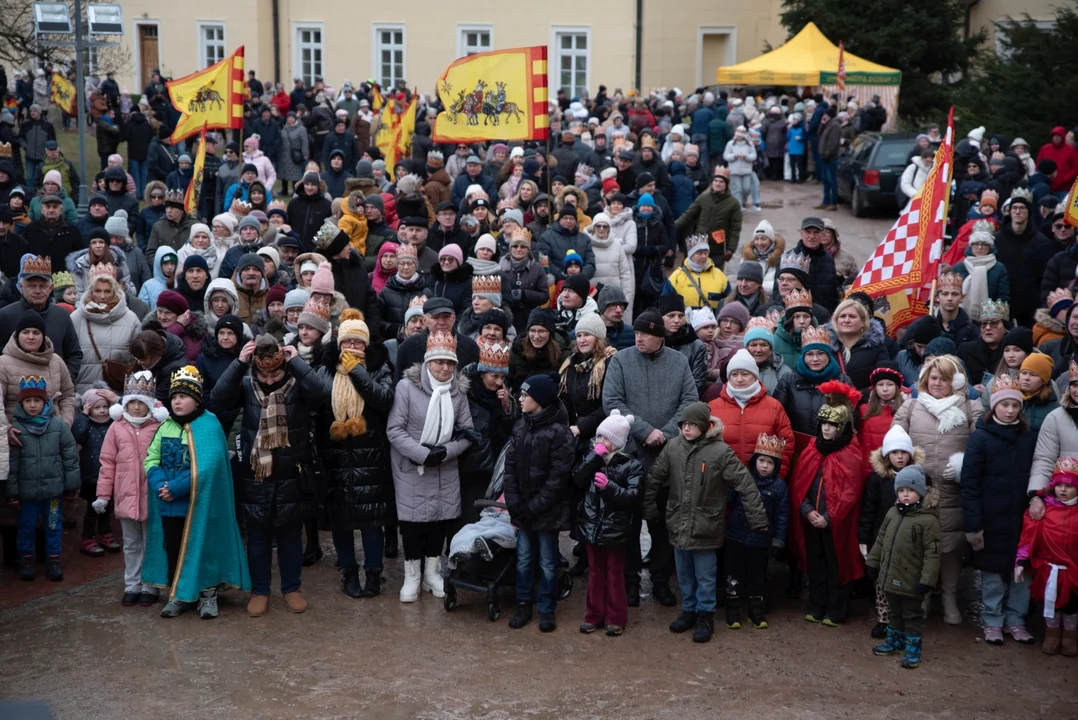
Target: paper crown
x,y
277,205
493,358
798,299
174,197
1072,372
760,322
1005,383
815,336
991,197
186,380
64,279
418,301
406,251
486,285
770,445
984,226
326,234
584,170
794,260
722,172
441,346
140,383
1060,296
100,269
1067,465
268,355
36,265
32,386
774,316
995,310
950,281
1022,194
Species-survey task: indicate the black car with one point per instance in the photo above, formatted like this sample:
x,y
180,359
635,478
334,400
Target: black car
x,y
869,172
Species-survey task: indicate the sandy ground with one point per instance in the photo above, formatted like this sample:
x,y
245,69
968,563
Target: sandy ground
x,y
89,658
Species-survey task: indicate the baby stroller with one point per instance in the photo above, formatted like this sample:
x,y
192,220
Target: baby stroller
x,y
487,565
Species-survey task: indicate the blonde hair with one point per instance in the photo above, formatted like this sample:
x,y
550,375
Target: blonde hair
x,y
946,365
862,312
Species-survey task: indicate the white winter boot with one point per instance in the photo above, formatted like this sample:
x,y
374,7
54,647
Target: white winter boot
x,y
410,588
951,614
432,576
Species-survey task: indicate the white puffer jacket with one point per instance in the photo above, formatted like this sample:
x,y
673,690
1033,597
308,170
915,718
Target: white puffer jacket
x,y
623,227
611,265
914,176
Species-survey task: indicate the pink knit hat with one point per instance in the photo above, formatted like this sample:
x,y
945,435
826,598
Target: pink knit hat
x,y
452,250
94,394
323,279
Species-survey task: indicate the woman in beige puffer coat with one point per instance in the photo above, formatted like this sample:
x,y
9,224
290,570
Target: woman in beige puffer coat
x,y
105,328
18,360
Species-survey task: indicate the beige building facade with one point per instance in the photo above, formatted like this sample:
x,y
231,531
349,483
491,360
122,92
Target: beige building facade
x,y
682,42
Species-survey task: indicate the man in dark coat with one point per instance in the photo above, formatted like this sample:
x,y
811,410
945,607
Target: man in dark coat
x,y
35,284
340,139
439,316
276,497
118,198
823,279
1060,269
350,278
309,209
981,356
12,245
51,236
269,133
473,175
1015,244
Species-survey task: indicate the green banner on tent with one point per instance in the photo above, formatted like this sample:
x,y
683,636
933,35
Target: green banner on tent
x,y
856,78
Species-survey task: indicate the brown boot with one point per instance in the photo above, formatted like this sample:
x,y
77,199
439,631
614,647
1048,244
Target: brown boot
x,y
1069,646
258,606
295,602
1052,638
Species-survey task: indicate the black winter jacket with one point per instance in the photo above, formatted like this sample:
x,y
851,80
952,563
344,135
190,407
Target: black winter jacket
x,y
282,498
604,517
55,242
995,473
393,303
1015,252
538,468
1059,272
455,286
359,484
530,280
306,214
823,278
774,497
493,427
137,132
350,278
865,356
212,362
584,412
90,436
802,400
521,368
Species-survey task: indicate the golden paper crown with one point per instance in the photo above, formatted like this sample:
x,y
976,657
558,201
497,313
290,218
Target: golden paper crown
x,y
798,299
723,172
1072,372
100,269
418,301
1058,295
794,260
995,310
1022,194
186,380
770,445
487,284
140,383
277,205
950,281
441,346
65,279
815,336
1005,382
36,265
493,358
760,322
1067,465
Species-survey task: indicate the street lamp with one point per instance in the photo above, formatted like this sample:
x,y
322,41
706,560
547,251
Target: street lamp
x,y
52,18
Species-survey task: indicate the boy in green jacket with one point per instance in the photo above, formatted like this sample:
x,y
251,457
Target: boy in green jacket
x,y
904,564
699,468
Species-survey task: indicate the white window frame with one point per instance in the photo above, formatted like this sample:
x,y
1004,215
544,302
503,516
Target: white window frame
x,y
204,43
555,54
730,31
297,51
376,52
462,33
999,30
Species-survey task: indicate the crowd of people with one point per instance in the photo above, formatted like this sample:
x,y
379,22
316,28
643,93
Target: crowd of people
x,y
375,348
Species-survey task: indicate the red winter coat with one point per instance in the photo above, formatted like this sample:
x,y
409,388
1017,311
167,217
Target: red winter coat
x,y
763,414
841,483
1054,539
872,431
1066,158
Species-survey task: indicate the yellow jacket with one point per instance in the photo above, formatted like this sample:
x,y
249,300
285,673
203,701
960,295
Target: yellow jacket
x,y
712,283
354,223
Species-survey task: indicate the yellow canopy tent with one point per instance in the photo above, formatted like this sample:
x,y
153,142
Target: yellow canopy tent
x,y
810,59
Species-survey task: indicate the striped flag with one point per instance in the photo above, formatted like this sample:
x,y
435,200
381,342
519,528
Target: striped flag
x,y
840,76
1070,206
194,190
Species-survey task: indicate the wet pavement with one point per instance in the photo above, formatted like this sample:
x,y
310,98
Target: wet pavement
x,y
73,645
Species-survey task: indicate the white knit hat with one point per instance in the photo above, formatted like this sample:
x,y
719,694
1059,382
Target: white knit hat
x,y
702,318
765,228
743,360
592,324
897,439
615,429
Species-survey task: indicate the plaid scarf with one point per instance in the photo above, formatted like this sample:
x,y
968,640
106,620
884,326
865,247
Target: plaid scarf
x,y
272,427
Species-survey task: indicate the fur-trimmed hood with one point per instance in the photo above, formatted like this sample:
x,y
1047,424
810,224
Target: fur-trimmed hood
x,y
1049,323
772,257
884,469
875,337
581,197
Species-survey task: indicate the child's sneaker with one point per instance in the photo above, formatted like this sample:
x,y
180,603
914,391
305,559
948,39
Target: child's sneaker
x,y
828,622
90,547
110,544
733,612
52,569
879,631
1019,633
993,635
207,604
813,618
588,628
894,642
912,657
175,608
26,567
758,612
614,630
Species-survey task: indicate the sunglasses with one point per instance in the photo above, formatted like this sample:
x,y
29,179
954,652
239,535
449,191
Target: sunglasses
x,y
1058,226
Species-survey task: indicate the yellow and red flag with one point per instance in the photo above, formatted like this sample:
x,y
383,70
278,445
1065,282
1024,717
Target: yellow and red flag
x,y
395,131
377,101
494,95
900,272
194,190
63,94
210,98
1070,206
840,76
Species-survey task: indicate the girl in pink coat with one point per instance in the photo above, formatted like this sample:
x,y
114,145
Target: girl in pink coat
x,y
123,479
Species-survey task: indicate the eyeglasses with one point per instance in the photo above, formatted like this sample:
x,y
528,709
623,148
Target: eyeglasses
x,y
991,323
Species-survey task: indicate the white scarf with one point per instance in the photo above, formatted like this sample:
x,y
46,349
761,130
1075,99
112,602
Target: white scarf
x,y
440,420
742,396
975,286
945,410
137,421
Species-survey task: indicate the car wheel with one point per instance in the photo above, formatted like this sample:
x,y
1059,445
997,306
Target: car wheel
x,y
857,203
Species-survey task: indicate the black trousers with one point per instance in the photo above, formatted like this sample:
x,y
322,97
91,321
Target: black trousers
x,y
172,528
94,525
827,596
746,570
907,614
423,539
799,168
775,168
662,552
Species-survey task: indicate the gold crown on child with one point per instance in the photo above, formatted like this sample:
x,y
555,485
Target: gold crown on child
x,y
950,281
770,445
1067,465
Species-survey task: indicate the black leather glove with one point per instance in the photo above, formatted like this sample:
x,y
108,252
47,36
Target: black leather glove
x,y
873,573
436,456
923,589
517,295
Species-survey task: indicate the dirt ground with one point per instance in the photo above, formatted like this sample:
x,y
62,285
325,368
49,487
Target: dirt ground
x,y
73,646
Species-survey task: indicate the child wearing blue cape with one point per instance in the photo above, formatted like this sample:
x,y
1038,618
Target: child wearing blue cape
x,y
192,548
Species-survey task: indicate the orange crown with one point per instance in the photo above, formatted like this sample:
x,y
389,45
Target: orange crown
x,y
770,445
486,284
815,336
798,298
951,281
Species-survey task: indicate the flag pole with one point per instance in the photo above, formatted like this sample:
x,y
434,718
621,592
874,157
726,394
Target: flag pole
x,y
932,299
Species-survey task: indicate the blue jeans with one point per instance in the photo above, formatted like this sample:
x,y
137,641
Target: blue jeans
x,y
344,542
697,574
827,174
51,512
1005,601
260,556
140,172
33,169
528,542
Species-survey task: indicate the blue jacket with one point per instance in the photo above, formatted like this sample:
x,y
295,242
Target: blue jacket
x,y
237,191
684,192
773,494
700,120
460,187
621,337
795,139
168,461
